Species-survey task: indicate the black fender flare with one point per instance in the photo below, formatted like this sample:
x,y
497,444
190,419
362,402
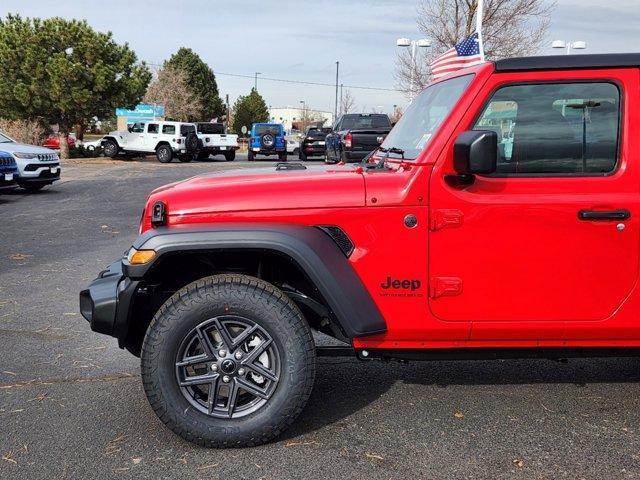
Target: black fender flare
x,y
311,248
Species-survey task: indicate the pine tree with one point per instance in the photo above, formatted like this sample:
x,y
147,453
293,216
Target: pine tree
x,y
249,109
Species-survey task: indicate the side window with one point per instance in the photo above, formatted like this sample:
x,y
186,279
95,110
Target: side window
x,y
169,129
567,128
153,128
137,127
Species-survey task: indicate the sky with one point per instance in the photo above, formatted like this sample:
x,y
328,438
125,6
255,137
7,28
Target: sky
x,y
301,40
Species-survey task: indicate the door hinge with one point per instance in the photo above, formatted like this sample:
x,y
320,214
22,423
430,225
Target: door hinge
x,y
446,217
445,287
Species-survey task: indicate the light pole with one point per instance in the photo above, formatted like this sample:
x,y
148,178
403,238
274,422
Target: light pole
x,y
303,116
255,82
413,44
579,45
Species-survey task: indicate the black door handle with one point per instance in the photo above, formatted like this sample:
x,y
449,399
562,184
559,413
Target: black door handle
x,y
596,215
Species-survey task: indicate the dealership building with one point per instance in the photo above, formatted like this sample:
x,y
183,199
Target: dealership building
x,y
294,119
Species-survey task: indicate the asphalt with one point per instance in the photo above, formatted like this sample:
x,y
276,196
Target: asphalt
x,y
72,406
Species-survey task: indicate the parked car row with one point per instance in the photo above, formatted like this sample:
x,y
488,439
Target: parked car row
x,y
27,166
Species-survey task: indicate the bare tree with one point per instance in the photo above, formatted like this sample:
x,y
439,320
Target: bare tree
x,y
172,90
348,102
397,114
510,28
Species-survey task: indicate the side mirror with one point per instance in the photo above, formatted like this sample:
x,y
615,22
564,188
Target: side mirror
x,y
475,152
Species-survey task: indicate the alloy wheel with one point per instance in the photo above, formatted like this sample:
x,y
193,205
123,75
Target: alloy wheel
x,y
227,367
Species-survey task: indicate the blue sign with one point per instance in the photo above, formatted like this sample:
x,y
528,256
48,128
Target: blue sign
x,y
142,111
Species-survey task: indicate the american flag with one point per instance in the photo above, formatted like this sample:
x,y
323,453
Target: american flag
x,y
464,54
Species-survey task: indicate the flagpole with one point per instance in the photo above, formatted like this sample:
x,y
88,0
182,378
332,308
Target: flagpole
x,y
479,13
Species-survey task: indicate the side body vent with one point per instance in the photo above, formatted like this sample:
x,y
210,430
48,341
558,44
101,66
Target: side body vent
x,y
337,235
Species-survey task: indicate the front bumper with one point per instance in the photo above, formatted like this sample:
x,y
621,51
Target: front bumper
x,y
106,301
39,173
8,180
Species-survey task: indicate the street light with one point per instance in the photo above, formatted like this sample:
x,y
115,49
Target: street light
x,y
578,45
304,120
414,44
255,84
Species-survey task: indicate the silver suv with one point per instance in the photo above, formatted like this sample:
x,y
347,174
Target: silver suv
x,y
37,166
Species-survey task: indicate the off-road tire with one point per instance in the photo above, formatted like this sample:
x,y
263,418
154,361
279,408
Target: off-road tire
x,y
110,149
220,295
250,156
185,157
164,154
191,142
230,156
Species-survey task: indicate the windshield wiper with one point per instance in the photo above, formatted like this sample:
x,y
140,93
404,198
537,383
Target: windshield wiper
x,y
396,150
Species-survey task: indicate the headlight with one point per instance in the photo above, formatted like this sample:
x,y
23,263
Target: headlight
x,y
24,155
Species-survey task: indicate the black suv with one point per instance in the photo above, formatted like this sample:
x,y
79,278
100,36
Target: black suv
x,y
313,143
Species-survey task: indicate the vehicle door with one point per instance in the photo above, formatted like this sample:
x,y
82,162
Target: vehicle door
x,y
135,138
152,137
547,247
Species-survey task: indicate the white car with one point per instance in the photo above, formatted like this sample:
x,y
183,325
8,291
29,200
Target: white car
x,y
293,144
37,166
166,139
92,145
214,140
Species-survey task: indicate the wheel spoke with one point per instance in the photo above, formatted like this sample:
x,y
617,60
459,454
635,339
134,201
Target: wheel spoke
x,y
262,371
189,361
224,334
205,341
198,379
257,351
232,398
240,339
252,389
213,395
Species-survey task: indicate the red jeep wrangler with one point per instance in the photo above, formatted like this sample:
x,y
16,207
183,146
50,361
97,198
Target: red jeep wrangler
x,y
499,218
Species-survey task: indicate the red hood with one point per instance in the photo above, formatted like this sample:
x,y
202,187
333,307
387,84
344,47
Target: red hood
x,y
262,189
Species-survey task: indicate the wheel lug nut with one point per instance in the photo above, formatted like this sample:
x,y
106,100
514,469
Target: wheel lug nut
x,y
222,353
226,379
241,371
214,367
238,355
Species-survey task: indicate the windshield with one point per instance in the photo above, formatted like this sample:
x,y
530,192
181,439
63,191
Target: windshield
x,y
4,139
424,116
363,122
211,128
187,129
272,129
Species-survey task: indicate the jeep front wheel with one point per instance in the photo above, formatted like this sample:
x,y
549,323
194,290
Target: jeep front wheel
x,y
164,153
110,149
228,361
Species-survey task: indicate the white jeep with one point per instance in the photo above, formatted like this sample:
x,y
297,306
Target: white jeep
x,y
214,140
166,139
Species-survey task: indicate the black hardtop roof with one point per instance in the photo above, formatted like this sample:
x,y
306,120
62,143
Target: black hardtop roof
x,y
569,62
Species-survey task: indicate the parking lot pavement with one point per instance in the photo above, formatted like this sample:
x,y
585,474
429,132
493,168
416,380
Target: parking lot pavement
x,y
72,406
